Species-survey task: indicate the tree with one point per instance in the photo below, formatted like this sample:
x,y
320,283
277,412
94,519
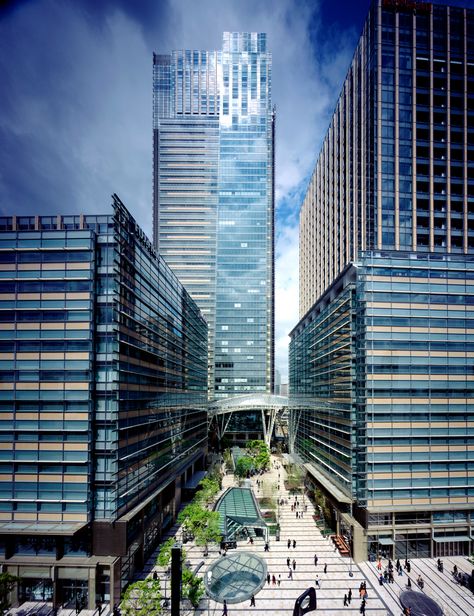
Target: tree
x,y
7,584
142,598
209,531
164,555
192,587
260,454
201,523
244,466
209,488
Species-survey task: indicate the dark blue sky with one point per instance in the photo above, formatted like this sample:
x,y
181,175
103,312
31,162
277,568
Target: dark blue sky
x,y
76,102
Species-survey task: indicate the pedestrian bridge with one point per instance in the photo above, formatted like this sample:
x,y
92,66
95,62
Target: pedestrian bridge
x,y
273,409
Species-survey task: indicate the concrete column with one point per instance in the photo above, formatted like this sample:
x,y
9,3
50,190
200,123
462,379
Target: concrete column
x,y
91,590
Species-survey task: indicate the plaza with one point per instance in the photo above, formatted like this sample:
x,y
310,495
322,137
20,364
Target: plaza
x,y
279,598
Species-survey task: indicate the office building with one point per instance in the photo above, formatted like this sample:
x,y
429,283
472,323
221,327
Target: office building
x,y
103,359
213,209
381,360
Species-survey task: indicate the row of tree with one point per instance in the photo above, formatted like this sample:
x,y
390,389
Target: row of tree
x,y
144,598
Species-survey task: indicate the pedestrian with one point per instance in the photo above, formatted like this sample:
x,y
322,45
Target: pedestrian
x,y
99,607
408,566
252,601
251,540
345,601
274,580
291,507
381,580
294,564
325,568
349,595
362,607
398,564
379,565
315,560
294,544
400,571
408,583
268,578
155,575
316,582
224,610
279,579
290,573
288,561
297,514
267,547
288,543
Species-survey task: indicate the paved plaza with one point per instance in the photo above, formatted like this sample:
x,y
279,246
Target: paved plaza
x,y
279,600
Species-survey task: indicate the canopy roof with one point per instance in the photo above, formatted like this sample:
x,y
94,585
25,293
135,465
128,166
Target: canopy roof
x,y
235,577
238,509
248,401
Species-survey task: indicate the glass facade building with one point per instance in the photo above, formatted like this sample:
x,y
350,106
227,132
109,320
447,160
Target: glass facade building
x,y
380,362
103,363
214,199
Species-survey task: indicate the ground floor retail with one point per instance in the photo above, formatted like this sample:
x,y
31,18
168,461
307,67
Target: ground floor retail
x,y
397,534
94,565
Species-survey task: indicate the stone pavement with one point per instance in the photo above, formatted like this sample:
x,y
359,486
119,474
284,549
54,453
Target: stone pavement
x,y
279,600
41,608
454,599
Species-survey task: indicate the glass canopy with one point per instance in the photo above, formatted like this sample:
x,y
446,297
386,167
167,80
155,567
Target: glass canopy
x,y
235,577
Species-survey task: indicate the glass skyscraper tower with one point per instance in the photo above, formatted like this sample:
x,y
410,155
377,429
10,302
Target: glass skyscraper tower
x,y
213,126
381,360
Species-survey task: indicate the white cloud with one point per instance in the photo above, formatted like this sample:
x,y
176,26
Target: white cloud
x,y
79,112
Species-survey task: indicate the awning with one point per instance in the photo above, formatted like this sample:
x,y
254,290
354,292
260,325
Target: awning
x,y
450,538
386,541
327,484
40,528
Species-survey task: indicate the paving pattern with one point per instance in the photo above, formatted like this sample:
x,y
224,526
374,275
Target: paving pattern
x,y
279,600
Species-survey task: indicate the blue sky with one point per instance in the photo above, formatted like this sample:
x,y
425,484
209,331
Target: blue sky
x,y
75,102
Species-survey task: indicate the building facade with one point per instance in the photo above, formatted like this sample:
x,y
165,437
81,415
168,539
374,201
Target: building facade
x,y
102,396
213,209
380,362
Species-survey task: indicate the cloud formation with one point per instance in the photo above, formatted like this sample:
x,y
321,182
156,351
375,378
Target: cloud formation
x,y
76,105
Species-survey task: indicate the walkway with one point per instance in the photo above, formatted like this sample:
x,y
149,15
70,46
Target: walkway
x,y
275,600
279,600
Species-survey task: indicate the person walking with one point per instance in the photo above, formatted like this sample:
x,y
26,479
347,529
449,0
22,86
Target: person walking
x,y
279,579
294,564
362,607
316,582
267,547
349,595
274,580
294,544
325,568
290,573
408,583
345,601
315,560
288,561
224,610
252,601
289,543
268,578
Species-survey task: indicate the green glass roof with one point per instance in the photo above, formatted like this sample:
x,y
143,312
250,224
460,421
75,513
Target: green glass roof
x,y
235,577
238,508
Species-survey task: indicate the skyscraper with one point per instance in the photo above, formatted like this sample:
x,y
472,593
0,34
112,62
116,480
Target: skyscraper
x,y
381,360
103,394
213,196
